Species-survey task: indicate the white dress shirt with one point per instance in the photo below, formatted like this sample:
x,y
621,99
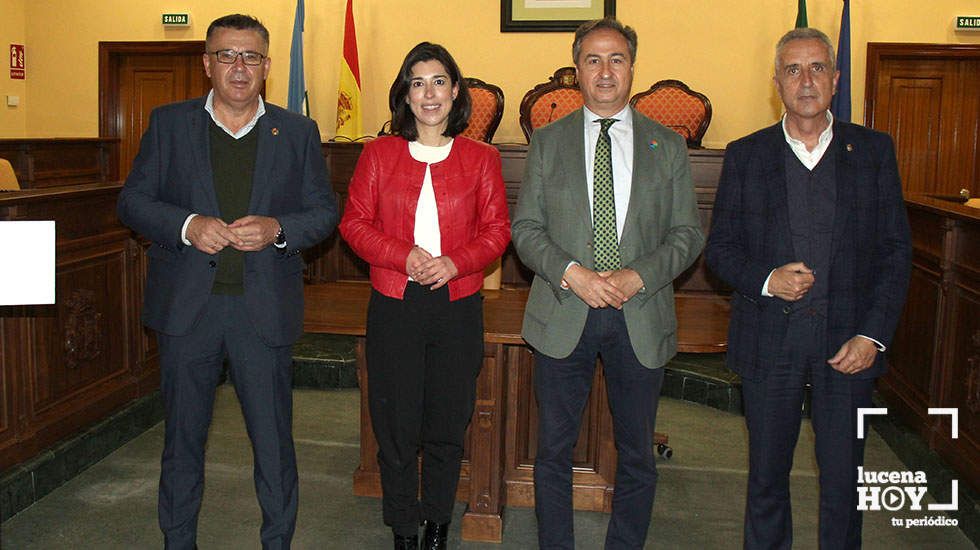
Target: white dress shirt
x,y
427,234
621,138
621,153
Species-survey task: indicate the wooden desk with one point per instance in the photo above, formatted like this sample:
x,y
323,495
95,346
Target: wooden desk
x,y
498,462
68,365
934,359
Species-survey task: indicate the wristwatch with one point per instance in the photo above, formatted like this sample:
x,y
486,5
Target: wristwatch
x,y
280,237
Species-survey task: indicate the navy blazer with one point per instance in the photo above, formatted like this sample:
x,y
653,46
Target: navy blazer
x,y
172,178
871,248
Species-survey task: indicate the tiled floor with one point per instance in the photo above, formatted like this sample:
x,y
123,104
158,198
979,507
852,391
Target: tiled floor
x,y
112,505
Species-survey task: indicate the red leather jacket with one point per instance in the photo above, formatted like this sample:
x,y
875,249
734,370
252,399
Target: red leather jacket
x,y
379,218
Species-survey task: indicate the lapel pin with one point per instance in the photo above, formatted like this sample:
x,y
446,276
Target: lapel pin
x,y
654,144
275,132
850,147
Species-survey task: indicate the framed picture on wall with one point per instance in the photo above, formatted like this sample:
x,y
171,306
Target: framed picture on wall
x,y
551,15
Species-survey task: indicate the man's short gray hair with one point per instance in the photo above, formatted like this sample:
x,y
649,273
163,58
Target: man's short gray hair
x,y
805,33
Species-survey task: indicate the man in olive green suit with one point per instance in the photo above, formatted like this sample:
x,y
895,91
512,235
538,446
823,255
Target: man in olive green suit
x,y
606,219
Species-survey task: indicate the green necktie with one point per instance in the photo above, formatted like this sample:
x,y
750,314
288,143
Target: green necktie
x,y
604,204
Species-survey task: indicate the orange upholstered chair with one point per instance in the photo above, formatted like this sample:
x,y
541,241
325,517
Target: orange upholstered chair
x,y
549,101
488,108
673,104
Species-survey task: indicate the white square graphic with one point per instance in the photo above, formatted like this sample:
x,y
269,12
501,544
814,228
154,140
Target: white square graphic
x,y
27,262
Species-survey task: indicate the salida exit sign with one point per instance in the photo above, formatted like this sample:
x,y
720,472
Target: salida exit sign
x,y
968,23
176,19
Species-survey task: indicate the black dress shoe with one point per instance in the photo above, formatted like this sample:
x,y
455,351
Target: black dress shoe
x,y
410,542
434,537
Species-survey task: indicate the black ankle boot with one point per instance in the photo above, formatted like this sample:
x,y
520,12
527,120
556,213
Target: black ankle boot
x,y
410,542
434,537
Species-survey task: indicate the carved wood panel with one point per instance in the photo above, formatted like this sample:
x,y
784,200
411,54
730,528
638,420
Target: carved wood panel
x,y
594,454
74,345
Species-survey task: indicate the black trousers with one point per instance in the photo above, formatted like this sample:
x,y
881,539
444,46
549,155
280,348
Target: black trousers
x,y
190,366
562,388
773,410
423,356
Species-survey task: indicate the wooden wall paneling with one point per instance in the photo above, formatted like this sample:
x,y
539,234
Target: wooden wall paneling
x,y
520,446
960,386
47,163
915,354
485,446
935,356
141,342
15,348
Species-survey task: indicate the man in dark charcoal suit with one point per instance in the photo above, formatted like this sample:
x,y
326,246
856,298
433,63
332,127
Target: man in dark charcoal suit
x,y
229,190
809,228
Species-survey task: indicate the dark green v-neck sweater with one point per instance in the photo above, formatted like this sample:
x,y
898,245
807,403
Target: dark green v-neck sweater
x,y
232,165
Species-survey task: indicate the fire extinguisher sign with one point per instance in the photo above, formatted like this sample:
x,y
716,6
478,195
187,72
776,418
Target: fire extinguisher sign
x,y
17,68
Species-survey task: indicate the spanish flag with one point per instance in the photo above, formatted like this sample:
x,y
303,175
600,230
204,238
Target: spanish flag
x,y
349,98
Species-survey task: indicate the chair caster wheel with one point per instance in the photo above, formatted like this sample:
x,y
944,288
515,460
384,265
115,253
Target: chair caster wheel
x,y
664,451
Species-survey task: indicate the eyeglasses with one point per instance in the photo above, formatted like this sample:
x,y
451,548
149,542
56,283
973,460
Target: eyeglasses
x,y
228,57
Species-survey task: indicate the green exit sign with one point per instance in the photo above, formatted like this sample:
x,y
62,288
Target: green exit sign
x,y
176,19
968,22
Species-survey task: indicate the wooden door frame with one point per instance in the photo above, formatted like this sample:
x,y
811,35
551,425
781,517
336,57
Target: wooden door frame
x,y
109,56
880,51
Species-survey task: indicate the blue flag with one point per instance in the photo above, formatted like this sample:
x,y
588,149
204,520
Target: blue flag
x,y
840,106
297,99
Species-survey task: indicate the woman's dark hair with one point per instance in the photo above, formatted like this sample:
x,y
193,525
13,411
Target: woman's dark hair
x,y
402,118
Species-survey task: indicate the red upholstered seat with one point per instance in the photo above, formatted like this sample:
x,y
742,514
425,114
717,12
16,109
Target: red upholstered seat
x,y
551,100
673,104
487,109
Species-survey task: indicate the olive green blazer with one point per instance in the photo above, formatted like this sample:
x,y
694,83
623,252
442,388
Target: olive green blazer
x,y
552,226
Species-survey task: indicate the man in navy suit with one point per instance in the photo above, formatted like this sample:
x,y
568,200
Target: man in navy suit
x,y
229,190
810,229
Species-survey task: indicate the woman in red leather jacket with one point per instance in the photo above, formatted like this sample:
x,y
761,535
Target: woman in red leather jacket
x,y
427,211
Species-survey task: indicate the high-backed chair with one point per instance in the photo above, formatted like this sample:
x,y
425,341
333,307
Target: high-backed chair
x,y
551,100
8,179
487,109
673,104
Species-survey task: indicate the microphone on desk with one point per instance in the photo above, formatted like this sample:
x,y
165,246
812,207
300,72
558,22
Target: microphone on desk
x,y
551,114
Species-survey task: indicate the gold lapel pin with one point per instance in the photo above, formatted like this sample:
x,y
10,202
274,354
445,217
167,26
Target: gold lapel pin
x,y
275,132
850,147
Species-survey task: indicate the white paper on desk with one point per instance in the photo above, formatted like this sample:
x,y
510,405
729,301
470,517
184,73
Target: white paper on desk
x,y
26,262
